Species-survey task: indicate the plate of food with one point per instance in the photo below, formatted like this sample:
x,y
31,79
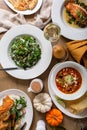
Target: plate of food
x,y
25,7
15,109
75,108
71,16
25,48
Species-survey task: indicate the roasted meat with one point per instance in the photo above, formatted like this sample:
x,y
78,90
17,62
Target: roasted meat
x,y
5,116
3,125
7,104
79,13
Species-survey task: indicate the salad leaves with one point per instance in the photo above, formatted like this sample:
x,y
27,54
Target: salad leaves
x,y
19,105
25,51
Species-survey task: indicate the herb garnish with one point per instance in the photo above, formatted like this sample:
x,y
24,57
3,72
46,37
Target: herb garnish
x,y
19,105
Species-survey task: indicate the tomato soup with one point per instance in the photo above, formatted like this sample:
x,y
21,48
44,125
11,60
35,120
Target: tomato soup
x,y
68,80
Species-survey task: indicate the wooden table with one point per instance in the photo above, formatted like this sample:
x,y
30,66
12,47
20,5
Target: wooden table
x,y
9,82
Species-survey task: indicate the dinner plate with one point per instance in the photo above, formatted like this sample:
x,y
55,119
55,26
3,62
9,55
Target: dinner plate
x,y
59,105
46,52
26,12
29,110
66,30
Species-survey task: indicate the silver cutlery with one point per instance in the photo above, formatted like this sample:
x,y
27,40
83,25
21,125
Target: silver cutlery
x,y
11,68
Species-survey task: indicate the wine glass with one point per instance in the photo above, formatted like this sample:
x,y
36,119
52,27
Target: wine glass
x,y
52,32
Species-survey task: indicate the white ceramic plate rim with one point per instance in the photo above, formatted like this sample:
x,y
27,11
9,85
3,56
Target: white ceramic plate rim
x,y
64,110
46,49
66,30
29,109
78,93
26,12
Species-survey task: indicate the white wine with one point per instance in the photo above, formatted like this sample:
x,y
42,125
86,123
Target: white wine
x,y
52,32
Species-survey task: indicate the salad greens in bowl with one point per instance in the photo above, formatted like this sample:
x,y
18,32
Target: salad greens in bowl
x,y
25,51
24,47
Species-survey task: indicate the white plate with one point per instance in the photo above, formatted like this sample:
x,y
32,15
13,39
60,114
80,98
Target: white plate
x,y
46,49
64,110
26,12
66,30
29,110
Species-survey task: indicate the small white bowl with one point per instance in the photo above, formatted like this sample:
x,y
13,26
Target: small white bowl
x,y
75,95
35,86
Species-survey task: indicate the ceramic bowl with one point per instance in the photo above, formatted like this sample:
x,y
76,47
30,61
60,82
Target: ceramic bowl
x,y
70,96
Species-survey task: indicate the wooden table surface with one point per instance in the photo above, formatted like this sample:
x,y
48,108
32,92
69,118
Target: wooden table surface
x,y
9,82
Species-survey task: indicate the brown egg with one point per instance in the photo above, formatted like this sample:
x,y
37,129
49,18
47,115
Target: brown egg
x,y
59,52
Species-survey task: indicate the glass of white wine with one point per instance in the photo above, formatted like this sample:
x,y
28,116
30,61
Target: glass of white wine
x,y
52,32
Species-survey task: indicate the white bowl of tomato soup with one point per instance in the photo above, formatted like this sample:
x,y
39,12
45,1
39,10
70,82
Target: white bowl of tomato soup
x,y
68,80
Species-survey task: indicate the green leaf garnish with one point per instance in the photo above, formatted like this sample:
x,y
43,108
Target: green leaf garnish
x,y
60,101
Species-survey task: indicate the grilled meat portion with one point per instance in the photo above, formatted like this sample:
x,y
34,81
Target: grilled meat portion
x,y
79,13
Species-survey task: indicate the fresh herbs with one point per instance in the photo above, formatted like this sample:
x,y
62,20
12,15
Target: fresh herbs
x,y
80,15
82,4
25,51
17,109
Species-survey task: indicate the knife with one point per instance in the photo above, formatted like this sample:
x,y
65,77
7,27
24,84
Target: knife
x,y
12,68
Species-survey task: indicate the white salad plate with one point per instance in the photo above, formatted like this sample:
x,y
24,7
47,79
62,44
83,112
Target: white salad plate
x,y
26,12
66,30
29,109
60,106
46,52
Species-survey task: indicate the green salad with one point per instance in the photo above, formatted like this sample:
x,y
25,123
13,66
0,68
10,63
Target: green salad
x,y
25,51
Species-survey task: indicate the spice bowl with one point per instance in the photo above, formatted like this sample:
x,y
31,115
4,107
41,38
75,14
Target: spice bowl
x,y
36,86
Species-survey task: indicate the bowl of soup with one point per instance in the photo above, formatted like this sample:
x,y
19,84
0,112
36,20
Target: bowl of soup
x,y
68,80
